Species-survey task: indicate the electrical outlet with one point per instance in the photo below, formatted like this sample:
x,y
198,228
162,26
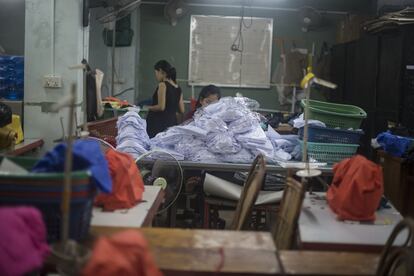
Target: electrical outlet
x,y
52,81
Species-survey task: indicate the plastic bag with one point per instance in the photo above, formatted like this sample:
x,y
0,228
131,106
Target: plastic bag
x,y
248,103
205,156
300,122
230,115
190,146
167,138
243,156
210,124
132,134
158,155
244,124
222,143
255,136
192,130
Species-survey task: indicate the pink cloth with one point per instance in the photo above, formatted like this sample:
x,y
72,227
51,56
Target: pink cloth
x,y
23,245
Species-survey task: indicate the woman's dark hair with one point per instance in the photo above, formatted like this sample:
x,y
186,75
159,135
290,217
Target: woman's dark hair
x,y
166,67
206,92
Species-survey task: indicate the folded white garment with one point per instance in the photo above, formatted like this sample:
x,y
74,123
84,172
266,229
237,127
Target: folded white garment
x,y
210,123
244,124
300,122
190,129
282,155
243,156
205,156
222,143
257,136
163,156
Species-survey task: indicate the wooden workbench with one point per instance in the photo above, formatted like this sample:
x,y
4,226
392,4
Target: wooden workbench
x,y
27,146
139,216
212,252
319,228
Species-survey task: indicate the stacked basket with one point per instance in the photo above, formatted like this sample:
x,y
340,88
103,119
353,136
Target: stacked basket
x,y
335,142
44,192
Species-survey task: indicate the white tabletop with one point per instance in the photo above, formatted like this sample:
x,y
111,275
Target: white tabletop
x,y
319,228
133,217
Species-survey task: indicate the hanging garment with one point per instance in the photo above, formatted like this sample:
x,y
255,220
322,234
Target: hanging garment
x,y
125,253
356,189
23,246
99,75
127,183
91,99
87,155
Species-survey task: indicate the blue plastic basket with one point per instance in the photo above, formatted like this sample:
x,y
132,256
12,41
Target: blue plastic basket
x,y
330,153
318,134
44,192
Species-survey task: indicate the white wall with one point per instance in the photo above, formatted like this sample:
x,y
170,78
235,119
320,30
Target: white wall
x,y
70,44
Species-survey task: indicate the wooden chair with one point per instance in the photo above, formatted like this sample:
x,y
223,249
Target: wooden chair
x,y
249,193
398,260
285,228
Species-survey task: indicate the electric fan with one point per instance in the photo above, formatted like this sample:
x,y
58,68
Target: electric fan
x,y
160,168
174,10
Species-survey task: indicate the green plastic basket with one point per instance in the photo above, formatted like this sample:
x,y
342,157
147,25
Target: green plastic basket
x,y
330,153
336,115
112,112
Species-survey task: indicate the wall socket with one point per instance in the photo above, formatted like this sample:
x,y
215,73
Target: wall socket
x,y
52,81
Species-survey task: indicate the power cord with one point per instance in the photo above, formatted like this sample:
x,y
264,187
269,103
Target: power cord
x,y
238,43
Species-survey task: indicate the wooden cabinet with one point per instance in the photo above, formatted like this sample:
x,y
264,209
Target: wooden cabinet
x,y
398,182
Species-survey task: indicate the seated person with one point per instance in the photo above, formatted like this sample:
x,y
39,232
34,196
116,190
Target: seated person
x,y
209,94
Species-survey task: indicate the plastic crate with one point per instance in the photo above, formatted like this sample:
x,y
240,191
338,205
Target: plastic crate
x,y
330,135
44,192
330,153
336,115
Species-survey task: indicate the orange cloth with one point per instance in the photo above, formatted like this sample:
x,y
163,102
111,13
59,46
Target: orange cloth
x,y
356,189
127,183
125,253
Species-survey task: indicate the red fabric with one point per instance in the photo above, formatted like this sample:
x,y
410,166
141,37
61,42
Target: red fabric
x,y
356,189
122,103
127,183
193,104
125,253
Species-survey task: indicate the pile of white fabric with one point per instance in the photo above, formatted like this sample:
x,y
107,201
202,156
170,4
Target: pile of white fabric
x,y
226,131
132,134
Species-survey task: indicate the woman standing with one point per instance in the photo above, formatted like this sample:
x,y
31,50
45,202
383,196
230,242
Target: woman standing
x,y
166,101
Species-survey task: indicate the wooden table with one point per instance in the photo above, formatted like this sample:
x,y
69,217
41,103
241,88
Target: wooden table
x,y
203,252
308,263
24,147
140,215
320,230
398,181
185,252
